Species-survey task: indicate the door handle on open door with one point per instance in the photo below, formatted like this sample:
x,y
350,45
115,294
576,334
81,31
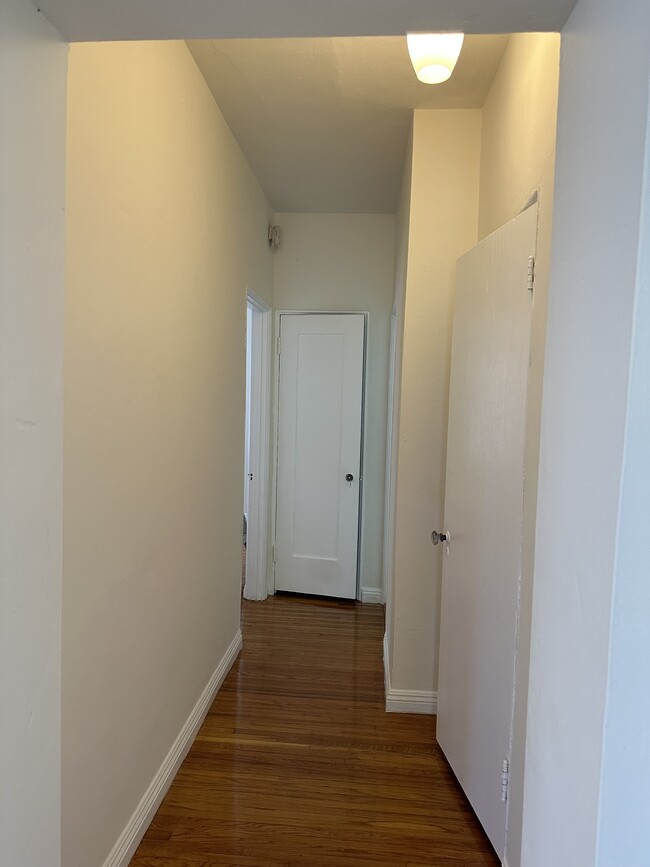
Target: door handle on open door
x,y
437,537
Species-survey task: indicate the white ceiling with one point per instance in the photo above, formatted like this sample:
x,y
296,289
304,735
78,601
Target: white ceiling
x,y
93,20
343,155
324,122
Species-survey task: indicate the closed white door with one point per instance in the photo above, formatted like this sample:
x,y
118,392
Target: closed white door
x,y
483,514
319,453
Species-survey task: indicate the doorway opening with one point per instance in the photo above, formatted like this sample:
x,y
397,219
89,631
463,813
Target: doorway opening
x,y
255,557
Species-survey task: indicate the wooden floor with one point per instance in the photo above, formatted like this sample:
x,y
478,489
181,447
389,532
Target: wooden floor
x,y
297,762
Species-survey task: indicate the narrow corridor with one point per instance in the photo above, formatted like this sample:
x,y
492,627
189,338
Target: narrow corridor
x,y
297,762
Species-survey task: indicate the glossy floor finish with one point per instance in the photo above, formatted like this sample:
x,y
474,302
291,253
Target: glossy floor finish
x,y
297,762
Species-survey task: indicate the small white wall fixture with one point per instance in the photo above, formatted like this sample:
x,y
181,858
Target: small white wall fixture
x,y
256,586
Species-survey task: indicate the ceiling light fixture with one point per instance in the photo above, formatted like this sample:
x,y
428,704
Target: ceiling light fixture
x,y
434,55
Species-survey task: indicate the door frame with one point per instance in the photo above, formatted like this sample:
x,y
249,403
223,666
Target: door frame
x,y
390,489
256,585
276,429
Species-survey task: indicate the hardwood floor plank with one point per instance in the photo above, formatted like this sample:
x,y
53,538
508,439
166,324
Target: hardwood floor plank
x,y
297,762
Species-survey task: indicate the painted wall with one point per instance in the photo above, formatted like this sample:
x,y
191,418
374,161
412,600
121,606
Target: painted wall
x,y
587,577
517,160
402,234
624,833
345,262
443,225
517,136
519,127
33,61
165,227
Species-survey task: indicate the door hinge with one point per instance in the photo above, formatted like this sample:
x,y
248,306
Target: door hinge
x,y
530,283
505,779
278,345
273,552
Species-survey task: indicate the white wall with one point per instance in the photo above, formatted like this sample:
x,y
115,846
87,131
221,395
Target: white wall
x,y
32,163
345,262
165,227
402,231
443,225
519,127
517,160
517,149
624,832
517,139
588,579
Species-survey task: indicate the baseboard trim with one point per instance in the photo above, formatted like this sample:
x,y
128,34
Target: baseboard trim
x,y
371,596
412,701
386,668
407,700
130,838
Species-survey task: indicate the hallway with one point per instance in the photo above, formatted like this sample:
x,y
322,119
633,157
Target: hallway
x,y
297,762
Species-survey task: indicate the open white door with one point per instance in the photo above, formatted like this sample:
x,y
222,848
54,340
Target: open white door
x,y
319,453
483,514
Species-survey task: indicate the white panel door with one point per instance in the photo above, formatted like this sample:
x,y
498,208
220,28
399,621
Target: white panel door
x,y
483,514
319,444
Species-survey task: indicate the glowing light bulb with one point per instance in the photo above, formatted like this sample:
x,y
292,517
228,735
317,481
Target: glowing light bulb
x,y
434,55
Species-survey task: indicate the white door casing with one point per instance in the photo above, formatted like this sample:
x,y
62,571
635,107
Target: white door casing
x,y
247,430
258,470
484,514
320,406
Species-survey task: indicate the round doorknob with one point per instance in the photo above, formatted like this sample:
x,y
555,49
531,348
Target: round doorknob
x,y
349,477
437,537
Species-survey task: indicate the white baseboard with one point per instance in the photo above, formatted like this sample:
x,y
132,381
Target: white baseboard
x,y
386,666
412,701
372,595
130,838
407,700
